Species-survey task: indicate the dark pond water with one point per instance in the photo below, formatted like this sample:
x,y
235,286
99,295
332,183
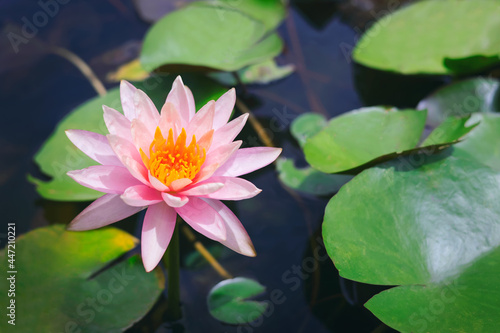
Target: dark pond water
x,y
37,89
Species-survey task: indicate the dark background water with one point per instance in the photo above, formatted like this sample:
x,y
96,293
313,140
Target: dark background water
x,y
37,89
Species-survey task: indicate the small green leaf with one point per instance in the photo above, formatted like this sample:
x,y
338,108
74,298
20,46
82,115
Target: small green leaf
x,y
208,36
309,180
261,73
228,301
58,155
60,286
306,126
439,37
379,132
451,130
461,99
483,142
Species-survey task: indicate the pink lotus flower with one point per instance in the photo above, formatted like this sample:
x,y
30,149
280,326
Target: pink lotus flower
x,y
173,162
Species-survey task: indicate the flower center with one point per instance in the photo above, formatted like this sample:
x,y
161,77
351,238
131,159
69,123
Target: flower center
x,y
169,161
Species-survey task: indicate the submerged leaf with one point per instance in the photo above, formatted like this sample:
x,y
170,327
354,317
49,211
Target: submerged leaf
x,y
461,99
309,180
228,301
261,73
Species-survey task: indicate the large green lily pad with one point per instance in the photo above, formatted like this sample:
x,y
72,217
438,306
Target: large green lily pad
x,y
379,131
438,37
430,224
58,155
209,36
59,286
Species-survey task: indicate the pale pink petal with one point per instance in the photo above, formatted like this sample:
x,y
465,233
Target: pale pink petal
x,y
228,132
127,92
94,145
156,183
146,111
206,172
170,119
179,98
174,200
190,99
247,160
157,230
202,189
105,178
201,122
203,218
233,189
117,123
179,184
216,159
141,195
106,210
237,238
142,136
129,156
223,108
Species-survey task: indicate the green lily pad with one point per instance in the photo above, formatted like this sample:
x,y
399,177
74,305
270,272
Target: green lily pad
x,y
309,180
59,286
461,99
430,224
228,301
438,37
261,73
483,142
451,129
307,125
378,131
58,155
269,12
209,36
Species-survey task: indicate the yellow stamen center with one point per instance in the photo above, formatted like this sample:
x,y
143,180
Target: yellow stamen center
x,y
169,160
